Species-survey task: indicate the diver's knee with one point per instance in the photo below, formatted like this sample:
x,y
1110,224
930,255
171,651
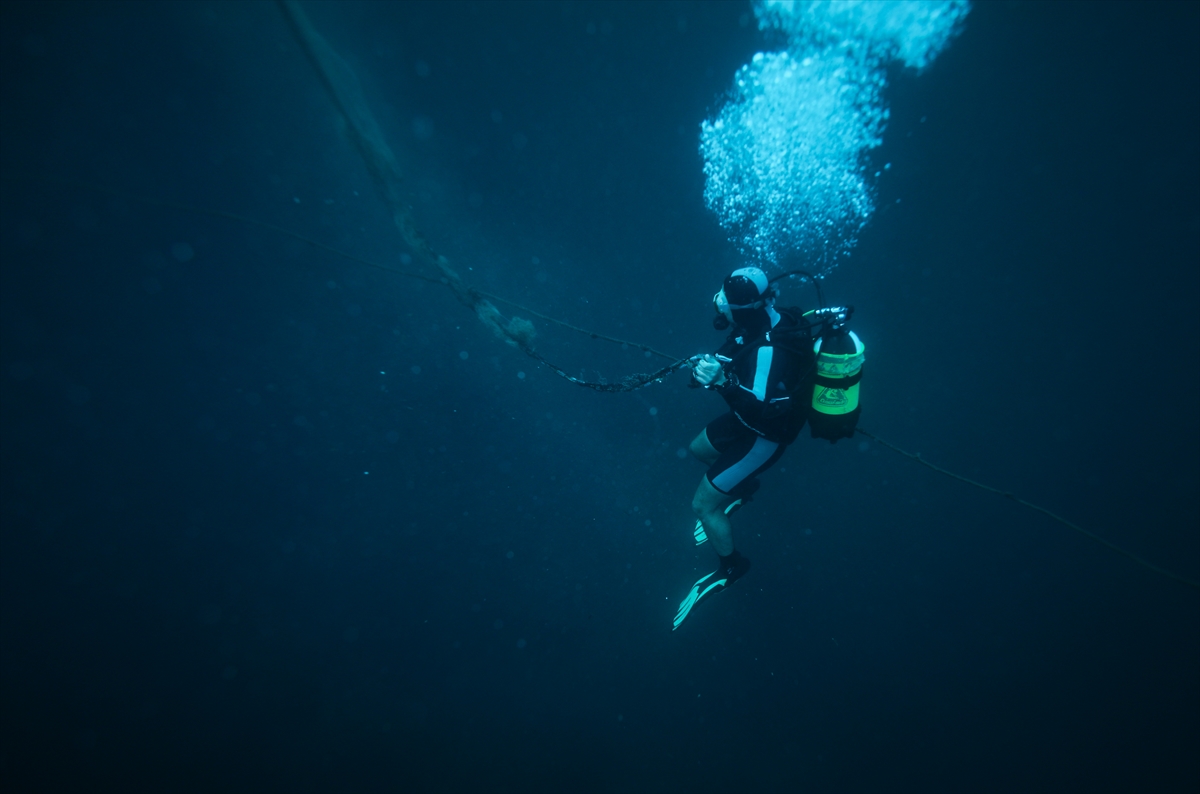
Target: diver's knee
x,y
706,501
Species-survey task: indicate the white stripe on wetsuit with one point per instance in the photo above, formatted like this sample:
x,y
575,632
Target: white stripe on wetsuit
x,y
762,373
759,454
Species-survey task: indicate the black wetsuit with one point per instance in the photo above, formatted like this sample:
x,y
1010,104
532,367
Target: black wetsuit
x,y
764,388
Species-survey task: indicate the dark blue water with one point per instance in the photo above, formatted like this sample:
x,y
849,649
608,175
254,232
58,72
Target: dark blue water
x,y
273,520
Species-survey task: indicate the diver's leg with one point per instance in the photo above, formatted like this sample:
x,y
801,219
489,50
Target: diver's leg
x,y
702,449
709,506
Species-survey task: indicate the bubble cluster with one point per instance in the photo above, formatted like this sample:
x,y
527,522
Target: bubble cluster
x,y
782,160
785,158
912,31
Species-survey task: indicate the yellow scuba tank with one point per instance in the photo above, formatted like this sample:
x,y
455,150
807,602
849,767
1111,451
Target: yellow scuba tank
x,y
835,406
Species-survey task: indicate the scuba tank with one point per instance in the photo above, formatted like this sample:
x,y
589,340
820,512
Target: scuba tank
x,y
835,405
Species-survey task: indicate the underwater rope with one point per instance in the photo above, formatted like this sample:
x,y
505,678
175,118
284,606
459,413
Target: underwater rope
x,y
1013,497
346,95
627,383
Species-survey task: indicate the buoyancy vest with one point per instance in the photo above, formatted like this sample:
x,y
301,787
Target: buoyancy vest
x,y
825,387
791,336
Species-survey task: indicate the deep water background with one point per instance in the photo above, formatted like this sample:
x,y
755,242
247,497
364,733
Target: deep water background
x,y
276,521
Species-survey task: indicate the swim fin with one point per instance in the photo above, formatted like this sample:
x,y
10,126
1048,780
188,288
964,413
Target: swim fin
x,y
709,583
714,582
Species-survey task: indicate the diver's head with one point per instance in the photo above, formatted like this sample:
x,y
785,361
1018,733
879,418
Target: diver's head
x,y
745,300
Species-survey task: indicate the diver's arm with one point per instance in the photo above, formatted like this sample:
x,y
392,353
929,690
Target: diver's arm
x,y
761,393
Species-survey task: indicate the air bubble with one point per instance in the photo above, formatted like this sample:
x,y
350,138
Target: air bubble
x,y
784,157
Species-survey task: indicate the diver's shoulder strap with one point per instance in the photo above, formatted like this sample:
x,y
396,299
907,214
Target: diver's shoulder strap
x,y
796,336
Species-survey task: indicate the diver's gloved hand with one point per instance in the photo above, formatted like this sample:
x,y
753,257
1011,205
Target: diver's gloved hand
x,y
709,371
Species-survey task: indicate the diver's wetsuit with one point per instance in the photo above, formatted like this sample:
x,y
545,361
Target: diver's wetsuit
x,y
762,421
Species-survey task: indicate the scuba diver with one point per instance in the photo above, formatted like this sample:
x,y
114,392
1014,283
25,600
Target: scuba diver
x,y
774,378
